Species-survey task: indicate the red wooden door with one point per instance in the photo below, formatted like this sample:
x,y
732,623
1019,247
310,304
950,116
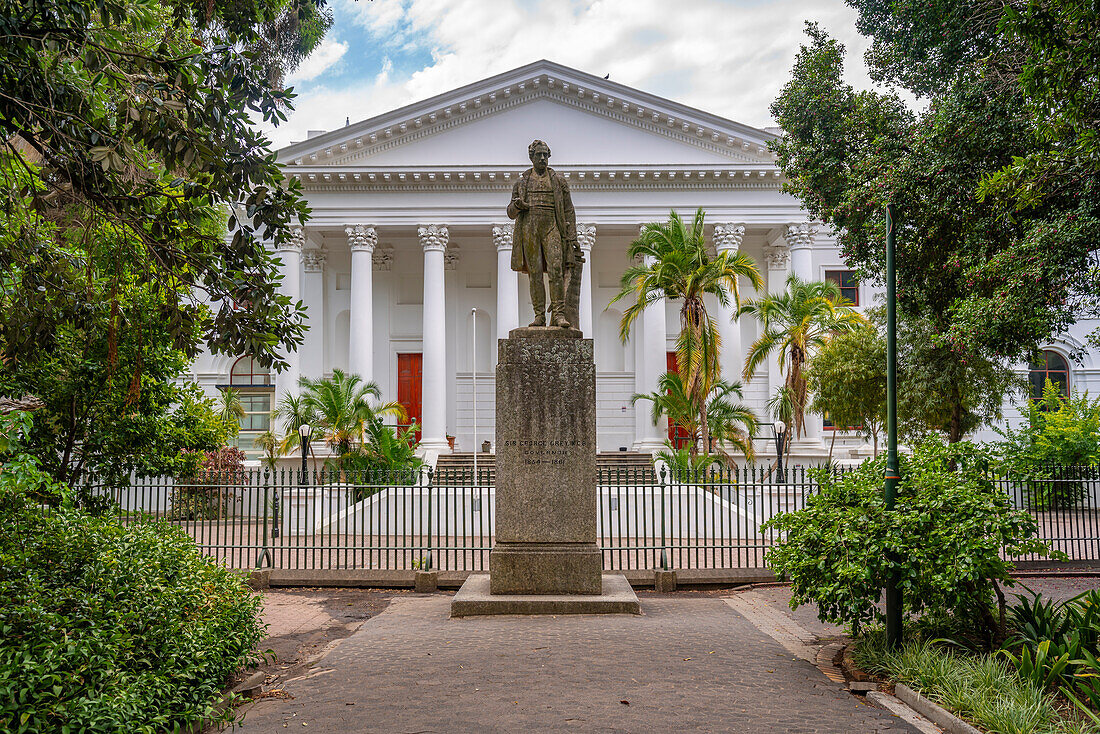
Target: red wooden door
x,y
677,434
409,371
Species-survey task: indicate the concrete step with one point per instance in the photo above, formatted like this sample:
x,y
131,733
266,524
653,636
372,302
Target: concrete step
x,y
624,466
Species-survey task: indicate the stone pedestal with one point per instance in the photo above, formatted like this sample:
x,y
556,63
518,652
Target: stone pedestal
x,y
546,465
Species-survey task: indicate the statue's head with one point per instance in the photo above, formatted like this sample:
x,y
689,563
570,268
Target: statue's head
x,y
539,153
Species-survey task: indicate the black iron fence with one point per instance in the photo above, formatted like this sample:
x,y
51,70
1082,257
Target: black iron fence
x,y
444,519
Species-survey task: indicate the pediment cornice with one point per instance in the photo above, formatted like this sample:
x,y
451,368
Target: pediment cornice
x,y
489,178
541,80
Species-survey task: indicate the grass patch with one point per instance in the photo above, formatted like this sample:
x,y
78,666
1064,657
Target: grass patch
x,y
981,688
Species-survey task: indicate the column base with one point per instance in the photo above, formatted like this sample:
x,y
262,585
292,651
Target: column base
x,y
648,445
438,445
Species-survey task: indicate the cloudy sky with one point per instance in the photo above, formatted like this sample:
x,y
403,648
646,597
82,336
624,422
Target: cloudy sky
x,y
729,57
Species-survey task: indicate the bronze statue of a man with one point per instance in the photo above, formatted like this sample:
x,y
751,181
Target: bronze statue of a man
x,y
544,238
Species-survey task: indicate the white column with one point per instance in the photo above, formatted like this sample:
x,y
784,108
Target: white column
x,y
649,367
727,238
507,282
362,241
586,237
313,294
290,254
433,391
800,240
778,257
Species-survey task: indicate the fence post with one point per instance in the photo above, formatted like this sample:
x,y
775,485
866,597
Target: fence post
x,y
664,548
427,565
266,551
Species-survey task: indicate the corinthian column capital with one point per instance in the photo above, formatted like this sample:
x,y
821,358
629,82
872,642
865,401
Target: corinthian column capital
x,y
502,236
586,236
728,236
361,237
295,241
433,237
800,234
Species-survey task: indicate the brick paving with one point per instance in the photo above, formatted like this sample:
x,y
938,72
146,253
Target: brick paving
x,y
686,664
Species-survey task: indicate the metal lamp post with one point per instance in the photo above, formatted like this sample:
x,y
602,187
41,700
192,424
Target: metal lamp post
x,y
304,432
780,429
893,468
473,375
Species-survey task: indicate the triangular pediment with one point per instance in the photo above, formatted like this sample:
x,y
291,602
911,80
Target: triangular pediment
x,y
586,120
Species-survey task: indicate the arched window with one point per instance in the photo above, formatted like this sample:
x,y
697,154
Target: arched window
x,y
253,383
247,372
1049,366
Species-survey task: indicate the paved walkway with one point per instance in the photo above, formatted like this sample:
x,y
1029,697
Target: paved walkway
x,y
686,664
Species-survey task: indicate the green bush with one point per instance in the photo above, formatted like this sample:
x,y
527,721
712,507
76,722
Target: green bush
x,y
106,627
1052,454
944,539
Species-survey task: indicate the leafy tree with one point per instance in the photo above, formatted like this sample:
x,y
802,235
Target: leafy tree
x,y
941,391
106,371
676,265
847,378
949,532
795,324
988,278
137,116
126,136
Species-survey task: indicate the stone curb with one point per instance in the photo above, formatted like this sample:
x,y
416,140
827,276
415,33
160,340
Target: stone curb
x,y
935,713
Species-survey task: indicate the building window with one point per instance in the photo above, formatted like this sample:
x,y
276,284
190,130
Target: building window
x,y
247,372
1049,366
253,382
827,424
848,283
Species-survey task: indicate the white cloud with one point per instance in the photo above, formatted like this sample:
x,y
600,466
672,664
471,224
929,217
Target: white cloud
x,y
712,54
321,60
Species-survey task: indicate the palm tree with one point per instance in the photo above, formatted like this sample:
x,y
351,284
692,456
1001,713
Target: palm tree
x,y
676,265
293,412
671,399
268,442
340,406
730,422
796,322
231,409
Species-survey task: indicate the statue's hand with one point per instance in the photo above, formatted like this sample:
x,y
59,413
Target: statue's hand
x,y
521,204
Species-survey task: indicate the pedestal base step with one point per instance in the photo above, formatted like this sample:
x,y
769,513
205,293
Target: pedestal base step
x,y
474,599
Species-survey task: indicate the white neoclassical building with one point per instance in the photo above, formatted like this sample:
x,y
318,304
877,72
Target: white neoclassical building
x,y
404,266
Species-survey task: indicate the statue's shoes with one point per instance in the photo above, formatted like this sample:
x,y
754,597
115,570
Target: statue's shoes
x,y
539,321
562,323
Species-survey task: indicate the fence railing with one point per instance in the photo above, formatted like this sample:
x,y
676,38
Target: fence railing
x,y
445,519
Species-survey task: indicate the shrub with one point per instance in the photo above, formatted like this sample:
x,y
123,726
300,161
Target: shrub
x,y
980,688
105,627
209,494
1053,451
944,539
1055,646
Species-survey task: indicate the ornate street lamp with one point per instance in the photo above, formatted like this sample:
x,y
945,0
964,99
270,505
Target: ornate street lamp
x,y
780,429
305,431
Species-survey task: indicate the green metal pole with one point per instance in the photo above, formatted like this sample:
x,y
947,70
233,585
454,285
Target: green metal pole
x,y
893,469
